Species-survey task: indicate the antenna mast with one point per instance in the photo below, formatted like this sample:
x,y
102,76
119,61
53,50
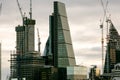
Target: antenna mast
x,y
30,9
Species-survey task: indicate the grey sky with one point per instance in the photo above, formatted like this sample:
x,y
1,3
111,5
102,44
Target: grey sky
x,y
83,17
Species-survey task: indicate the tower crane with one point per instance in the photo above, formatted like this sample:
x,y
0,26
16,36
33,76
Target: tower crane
x,y
20,9
38,40
30,9
104,6
102,43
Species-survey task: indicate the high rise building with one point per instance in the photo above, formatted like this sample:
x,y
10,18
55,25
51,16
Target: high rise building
x,y
113,49
59,43
26,62
25,36
29,65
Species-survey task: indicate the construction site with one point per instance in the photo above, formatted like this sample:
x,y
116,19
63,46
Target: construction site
x,y
58,59
26,63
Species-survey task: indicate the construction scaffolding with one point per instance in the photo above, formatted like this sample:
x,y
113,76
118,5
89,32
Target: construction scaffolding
x,y
26,67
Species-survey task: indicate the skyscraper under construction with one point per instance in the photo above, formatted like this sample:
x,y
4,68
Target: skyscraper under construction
x,y
113,49
27,64
25,36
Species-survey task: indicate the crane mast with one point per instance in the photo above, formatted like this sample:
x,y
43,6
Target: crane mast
x,y
20,9
30,9
38,40
102,43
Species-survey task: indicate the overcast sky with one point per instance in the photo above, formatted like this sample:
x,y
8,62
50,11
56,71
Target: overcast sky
x,y
83,17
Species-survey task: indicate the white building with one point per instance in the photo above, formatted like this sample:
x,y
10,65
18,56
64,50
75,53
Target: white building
x,y
77,73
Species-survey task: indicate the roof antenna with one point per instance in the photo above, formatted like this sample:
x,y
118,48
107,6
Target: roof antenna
x,y
30,9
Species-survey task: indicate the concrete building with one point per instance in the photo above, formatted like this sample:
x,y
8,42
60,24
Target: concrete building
x,y
26,61
25,36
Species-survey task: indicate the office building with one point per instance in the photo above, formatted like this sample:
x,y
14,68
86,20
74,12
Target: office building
x,y
77,73
113,49
58,54
59,47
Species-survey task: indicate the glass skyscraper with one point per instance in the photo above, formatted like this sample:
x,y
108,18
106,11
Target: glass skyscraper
x,y
59,45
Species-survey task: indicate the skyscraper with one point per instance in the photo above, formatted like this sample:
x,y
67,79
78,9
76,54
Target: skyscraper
x,y
25,36
59,43
113,49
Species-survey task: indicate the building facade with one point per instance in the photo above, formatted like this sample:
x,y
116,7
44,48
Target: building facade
x,y
113,49
58,54
77,73
25,36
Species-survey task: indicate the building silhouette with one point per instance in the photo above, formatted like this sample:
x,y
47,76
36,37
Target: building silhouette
x,y
113,49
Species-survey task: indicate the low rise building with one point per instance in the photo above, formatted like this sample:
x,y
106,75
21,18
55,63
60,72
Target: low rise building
x,y
77,73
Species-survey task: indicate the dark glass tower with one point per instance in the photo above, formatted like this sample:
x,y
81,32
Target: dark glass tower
x,y
113,49
59,43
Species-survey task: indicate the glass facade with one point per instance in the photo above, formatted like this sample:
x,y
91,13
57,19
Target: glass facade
x,y
77,73
59,44
63,38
